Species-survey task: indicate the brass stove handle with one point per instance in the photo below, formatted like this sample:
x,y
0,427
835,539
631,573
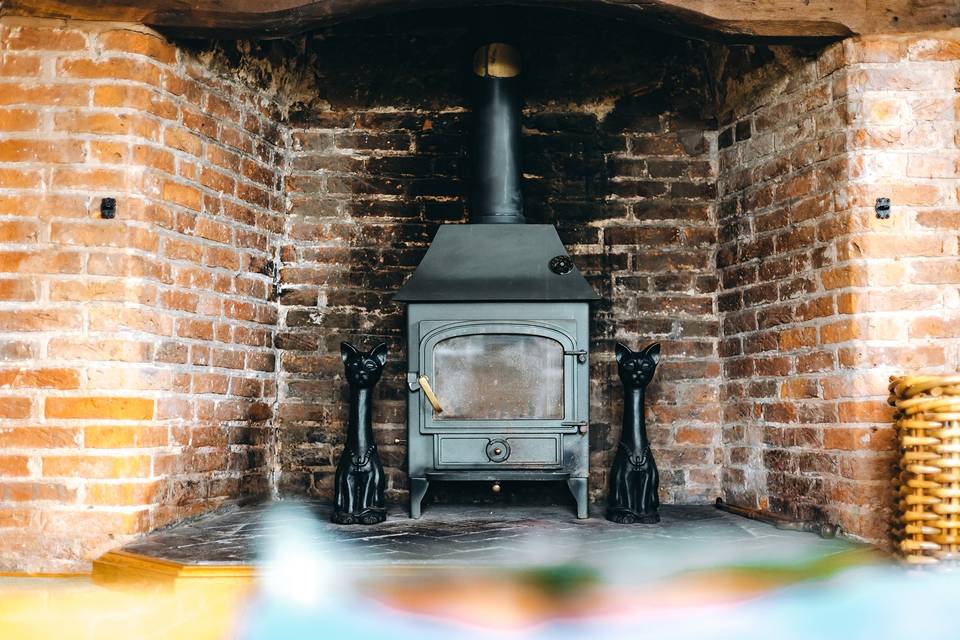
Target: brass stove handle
x,y
427,391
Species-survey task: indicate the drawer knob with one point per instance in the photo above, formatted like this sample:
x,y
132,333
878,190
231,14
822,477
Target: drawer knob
x,y
496,487
498,450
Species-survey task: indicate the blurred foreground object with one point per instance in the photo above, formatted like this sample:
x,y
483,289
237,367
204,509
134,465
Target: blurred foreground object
x,y
928,505
74,608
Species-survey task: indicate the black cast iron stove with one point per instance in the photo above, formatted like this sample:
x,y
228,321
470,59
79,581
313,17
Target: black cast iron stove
x,y
497,326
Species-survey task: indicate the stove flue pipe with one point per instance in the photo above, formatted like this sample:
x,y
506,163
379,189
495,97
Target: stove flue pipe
x,y
496,197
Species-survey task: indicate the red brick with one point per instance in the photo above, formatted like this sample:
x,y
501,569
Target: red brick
x,y
19,289
850,438
934,327
100,437
104,233
100,407
86,290
25,491
20,178
48,378
123,493
14,466
96,466
907,357
19,120
21,231
935,49
946,271
940,219
139,43
866,411
842,331
215,231
40,320
67,523
222,258
93,179
13,65
38,437
180,300
196,329
694,436
182,195
114,264
813,362
182,249
799,388
896,300
41,262
111,69
797,338
123,350
217,181
41,151
183,140
43,206
36,93
46,39
875,49
154,158
119,124
14,408
200,123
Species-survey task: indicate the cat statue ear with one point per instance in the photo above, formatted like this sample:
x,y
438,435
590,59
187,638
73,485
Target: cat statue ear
x,y
622,351
380,353
653,352
347,350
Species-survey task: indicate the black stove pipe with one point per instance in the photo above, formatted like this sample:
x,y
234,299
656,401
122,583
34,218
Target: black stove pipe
x,y
496,197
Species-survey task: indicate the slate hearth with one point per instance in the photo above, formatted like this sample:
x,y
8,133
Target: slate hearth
x,y
478,535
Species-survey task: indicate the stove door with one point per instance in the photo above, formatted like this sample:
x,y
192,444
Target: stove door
x,y
500,376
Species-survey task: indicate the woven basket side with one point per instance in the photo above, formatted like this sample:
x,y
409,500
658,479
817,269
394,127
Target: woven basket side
x,y
928,485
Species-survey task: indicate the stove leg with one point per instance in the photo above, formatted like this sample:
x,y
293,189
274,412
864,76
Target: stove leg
x,y
418,487
578,487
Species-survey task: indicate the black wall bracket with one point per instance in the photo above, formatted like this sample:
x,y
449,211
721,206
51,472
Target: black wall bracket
x,y
882,208
108,208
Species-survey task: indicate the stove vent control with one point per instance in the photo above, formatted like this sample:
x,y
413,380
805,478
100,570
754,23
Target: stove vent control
x,y
561,265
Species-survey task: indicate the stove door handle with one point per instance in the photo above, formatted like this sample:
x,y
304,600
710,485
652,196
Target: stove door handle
x,y
427,391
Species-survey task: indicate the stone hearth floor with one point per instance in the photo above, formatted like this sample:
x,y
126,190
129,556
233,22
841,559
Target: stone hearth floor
x,y
457,535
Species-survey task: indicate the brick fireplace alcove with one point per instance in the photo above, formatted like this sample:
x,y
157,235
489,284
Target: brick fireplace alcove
x,y
622,166
272,195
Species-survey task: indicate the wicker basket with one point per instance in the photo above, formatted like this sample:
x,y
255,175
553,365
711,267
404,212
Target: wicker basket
x,y
928,486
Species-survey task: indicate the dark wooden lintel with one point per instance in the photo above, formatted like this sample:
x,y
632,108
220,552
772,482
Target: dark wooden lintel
x,y
730,20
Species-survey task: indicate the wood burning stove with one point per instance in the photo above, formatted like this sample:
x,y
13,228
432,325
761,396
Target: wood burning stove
x,y
497,328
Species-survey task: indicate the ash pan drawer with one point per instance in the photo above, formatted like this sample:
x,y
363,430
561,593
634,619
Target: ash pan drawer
x,y
497,451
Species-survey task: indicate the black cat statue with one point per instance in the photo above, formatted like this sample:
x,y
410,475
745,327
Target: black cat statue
x,y
360,480
634,480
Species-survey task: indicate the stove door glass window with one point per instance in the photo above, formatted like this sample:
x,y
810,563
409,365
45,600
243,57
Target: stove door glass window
x,y
499,377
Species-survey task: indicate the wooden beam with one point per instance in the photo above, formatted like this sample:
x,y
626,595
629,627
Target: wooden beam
x,y
743,20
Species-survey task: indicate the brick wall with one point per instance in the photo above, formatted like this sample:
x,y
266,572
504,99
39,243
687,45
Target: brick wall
x,y
820,300
136,364
185,353
901,306
783,162
653,263
378,163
